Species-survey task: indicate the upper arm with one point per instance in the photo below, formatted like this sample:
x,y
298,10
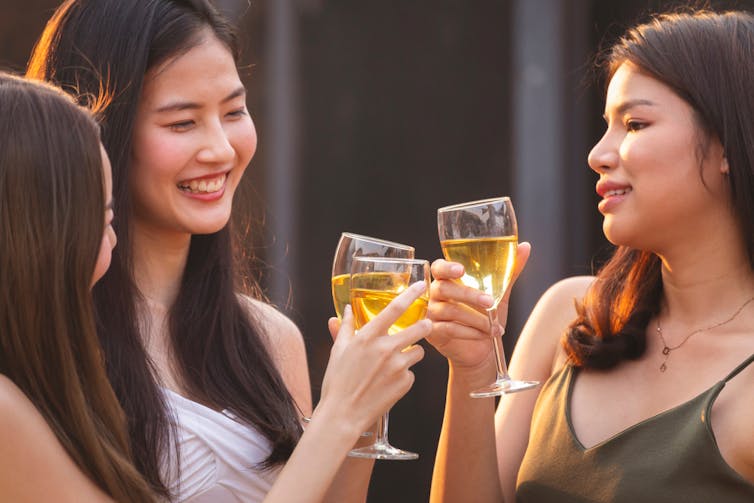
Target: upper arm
x,y
286,346
34,466
538,351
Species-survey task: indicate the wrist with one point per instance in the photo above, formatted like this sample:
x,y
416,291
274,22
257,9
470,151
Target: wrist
x,y
470,377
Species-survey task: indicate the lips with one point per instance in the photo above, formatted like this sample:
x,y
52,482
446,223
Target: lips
x,y
609,188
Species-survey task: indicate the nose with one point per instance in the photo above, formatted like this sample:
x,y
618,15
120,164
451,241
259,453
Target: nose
x,y
216,146
604,154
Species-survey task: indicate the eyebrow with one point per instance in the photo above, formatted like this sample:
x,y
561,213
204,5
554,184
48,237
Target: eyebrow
x,y
628,105
177,106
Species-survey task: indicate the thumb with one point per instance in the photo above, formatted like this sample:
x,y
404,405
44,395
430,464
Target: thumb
x,y
346,327
333,325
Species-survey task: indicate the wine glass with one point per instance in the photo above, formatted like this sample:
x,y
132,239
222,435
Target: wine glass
x,y
483,237
354,244
375,281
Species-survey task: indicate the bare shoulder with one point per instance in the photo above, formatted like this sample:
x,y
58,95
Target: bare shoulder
x,y
550,318
34,466
277,328
286,346
17,414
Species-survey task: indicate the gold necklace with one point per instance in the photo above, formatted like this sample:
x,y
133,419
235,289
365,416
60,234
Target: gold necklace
x,y
667,349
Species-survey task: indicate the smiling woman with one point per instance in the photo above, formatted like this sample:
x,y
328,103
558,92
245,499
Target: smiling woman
x,y
616,420
214,381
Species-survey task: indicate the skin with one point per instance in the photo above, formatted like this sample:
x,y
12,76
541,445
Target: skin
x,y
192,125
109,239
674,196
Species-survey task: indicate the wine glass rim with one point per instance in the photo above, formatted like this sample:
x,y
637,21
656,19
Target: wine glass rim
x,y
474,203
390,260
370,239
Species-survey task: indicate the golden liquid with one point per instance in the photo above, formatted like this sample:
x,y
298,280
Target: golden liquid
x,y
341,285
488,262
367,304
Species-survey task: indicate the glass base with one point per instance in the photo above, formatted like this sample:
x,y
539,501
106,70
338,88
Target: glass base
x,y
382,451
503,387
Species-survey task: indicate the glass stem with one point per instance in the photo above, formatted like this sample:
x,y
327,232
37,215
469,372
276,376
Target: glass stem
x,y
497,345
381,438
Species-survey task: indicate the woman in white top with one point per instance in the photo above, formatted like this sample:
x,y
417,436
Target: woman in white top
x,y
181,341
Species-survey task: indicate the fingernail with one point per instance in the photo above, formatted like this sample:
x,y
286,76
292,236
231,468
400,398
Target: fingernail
x,y
456,269
419,286
347,310
486,300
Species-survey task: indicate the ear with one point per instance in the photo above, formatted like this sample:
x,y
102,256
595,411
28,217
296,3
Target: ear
x,y
724,168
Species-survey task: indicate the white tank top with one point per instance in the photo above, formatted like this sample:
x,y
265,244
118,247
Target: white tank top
x,y
217,456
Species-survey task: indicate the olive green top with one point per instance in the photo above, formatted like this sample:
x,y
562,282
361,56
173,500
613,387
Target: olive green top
x,y
670,457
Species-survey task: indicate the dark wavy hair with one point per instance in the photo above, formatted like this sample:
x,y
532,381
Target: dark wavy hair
x,y
100,50
707,59
52,208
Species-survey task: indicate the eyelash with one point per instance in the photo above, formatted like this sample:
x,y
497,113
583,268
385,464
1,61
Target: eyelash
x,y
184,125
634,125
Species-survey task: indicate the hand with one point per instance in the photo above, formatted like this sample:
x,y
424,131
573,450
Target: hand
x,y
367,373
460,326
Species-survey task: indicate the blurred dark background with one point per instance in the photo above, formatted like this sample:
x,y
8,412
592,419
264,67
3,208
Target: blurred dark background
x,y
372,114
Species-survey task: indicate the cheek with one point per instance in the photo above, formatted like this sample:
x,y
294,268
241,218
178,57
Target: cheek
x,y
103,257
244,139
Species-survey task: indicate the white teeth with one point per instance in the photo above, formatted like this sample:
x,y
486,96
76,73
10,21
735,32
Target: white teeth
x,y
617,192
203,186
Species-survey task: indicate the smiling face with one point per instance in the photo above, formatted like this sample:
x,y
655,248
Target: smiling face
x,y
660,179
192,141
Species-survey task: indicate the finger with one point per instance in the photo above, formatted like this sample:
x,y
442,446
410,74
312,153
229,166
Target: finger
x,y
412,334
450,290
380,324
333,325
522,257
411,355
458,313
443,269
346,327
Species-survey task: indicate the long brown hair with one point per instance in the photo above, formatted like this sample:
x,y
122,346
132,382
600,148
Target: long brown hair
x,y
100,50
51,222
707,59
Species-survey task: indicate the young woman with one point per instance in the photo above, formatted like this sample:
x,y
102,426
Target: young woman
x,y
186,351
648,381
62,432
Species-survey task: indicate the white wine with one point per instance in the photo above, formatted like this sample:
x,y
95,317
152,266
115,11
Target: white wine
x,y
367,304
341,284
488,262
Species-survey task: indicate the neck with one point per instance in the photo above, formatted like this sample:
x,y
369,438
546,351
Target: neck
x,y
159,262
711,281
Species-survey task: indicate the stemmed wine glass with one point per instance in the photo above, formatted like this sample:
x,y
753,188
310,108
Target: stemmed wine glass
x,y
483,237
354,244
375,281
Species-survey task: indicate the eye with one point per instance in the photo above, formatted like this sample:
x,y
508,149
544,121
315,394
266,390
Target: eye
x,y
634,125
240,112
181,126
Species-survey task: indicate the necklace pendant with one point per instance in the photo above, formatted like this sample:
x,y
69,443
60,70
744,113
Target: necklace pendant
x,y
663,367
666,350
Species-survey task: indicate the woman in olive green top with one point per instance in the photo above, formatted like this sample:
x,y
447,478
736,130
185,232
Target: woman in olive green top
x,y
648,391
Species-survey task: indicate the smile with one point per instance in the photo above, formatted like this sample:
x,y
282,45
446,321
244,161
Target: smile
x,y
616,192
204,185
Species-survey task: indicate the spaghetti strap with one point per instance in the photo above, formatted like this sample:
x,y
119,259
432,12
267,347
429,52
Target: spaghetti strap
x,y
738,369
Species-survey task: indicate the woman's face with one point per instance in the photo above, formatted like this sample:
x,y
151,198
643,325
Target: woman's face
x,y
193,139
108,237
661,180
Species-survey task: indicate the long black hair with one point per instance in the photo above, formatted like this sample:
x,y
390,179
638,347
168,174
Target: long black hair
x,y
707,59
100,51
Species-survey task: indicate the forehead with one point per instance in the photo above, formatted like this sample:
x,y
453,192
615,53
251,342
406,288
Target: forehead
x,y
630,84
207,68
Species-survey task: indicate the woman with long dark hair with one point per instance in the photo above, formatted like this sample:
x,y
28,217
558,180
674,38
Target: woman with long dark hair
x,y
648,379
63,434
214,383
